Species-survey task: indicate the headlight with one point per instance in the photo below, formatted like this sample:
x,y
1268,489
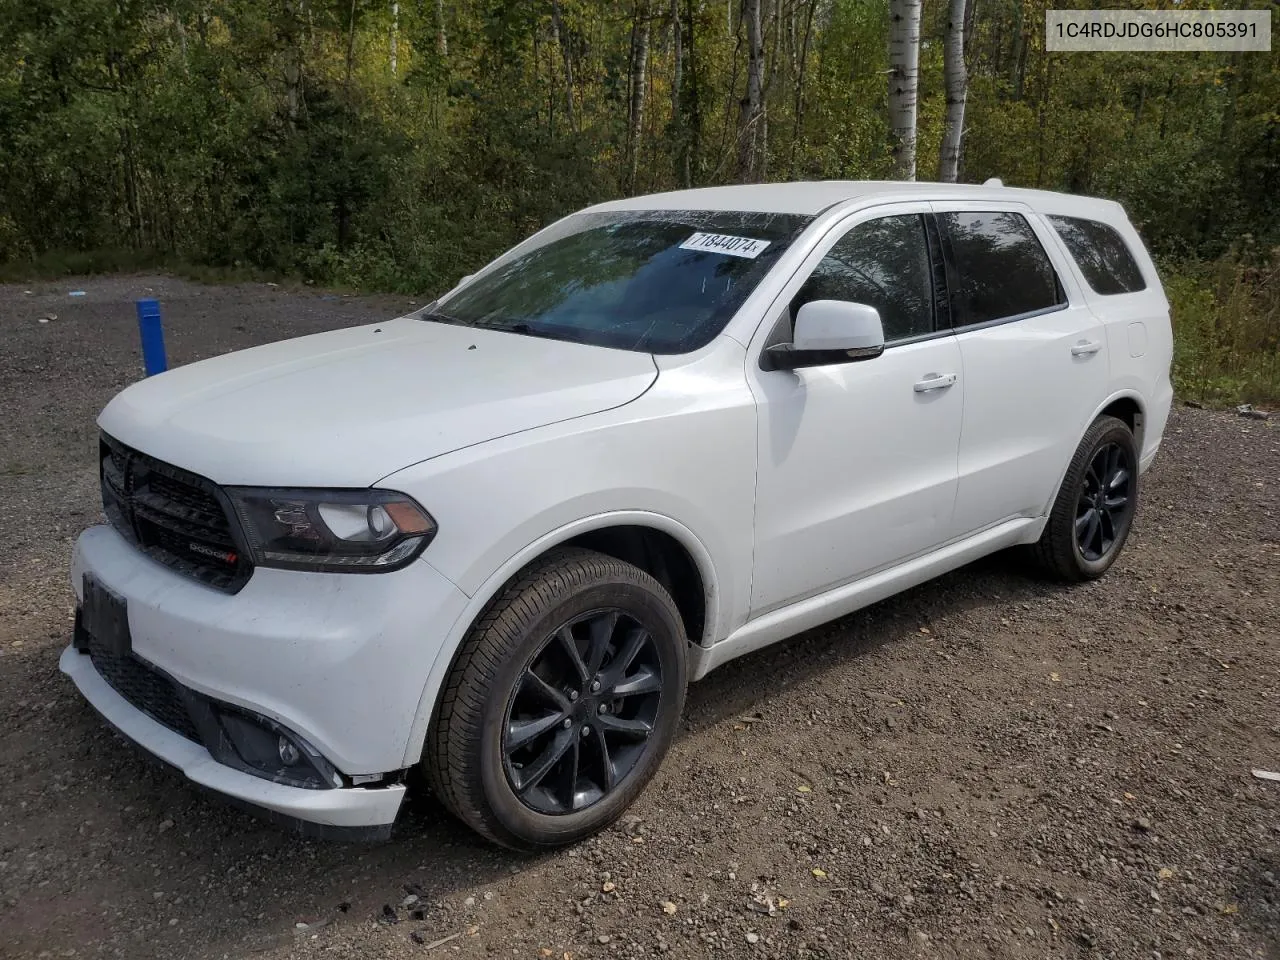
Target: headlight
x,y
348,530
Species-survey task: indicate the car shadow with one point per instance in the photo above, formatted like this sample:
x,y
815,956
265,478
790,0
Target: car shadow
x,y
736,689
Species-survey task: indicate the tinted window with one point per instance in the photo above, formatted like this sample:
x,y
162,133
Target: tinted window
x,y
883,263
1100,251
656,281
1002,269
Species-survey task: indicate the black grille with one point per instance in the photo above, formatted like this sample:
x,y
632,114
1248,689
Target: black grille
x,y
146,688
175,516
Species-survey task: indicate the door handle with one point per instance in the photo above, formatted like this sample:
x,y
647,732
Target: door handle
x,y
935,381
1086,348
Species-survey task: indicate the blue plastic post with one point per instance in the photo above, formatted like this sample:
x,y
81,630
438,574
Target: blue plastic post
x,y
153,357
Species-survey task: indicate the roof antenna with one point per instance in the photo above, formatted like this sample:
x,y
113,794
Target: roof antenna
x,y
993,182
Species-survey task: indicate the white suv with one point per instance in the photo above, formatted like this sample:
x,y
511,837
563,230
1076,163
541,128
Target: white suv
x,y
486,545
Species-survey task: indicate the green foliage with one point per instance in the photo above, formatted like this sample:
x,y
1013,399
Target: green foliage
x,y
1226,317
373,145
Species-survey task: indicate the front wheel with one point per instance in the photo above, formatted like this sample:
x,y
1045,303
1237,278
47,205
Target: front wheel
x,y
564,699
1095,506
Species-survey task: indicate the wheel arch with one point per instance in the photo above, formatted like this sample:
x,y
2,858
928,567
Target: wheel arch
x,y
658,544
1127,405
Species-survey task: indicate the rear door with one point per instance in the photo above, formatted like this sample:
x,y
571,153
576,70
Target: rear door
x,y
1120,284
1034,360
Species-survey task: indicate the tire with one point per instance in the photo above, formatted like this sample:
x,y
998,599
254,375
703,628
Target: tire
x,y
1072,548
515,678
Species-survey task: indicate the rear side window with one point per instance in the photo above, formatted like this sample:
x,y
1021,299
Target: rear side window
x,y
1102,255
1002,271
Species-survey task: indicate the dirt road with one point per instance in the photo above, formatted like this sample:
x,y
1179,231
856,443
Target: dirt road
x,y
987,766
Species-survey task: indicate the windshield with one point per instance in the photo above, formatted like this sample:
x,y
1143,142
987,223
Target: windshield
x,y
658,281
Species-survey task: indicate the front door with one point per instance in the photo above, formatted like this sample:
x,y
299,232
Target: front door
x,y
857,461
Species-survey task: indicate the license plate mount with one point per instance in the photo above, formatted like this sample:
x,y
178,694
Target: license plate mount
x,y
104,615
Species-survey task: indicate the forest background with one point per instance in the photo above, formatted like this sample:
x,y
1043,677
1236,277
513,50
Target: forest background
x,y
394,146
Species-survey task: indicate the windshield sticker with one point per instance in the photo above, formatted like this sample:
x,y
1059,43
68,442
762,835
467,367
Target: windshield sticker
x,y
723,243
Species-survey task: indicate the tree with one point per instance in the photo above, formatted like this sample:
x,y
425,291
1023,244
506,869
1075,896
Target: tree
x,y
904,74
638,88
957,86
751,108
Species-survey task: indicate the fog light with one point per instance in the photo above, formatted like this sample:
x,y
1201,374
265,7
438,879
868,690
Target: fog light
x,y
263,747
289,754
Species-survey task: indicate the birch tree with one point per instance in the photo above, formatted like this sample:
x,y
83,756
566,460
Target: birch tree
x,y
638,88
751,110
904,75
957,84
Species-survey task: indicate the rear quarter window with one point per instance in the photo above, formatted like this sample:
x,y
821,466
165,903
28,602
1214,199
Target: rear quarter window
x,y
1102,255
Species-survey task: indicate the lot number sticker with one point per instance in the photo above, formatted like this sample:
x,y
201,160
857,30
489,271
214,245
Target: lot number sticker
x,y
723,243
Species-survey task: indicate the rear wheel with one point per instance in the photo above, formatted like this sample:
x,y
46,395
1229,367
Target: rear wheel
x,y
1094,509
562,702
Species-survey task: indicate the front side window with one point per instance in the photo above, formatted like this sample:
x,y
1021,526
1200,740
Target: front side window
x,y
883,263
649,280
1102,255
1002,270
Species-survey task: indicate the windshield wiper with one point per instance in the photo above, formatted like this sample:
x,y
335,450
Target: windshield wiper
x,y
442,318
527,330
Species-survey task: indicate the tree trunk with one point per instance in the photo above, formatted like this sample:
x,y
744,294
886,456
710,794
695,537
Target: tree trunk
x,y
677,57
560,39
752,105
395,37
904,76
442,38
798,110
639,69
292,42
182,40
957,83
693,144
351,50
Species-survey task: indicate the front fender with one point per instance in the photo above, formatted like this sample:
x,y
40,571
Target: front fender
x,y
480,599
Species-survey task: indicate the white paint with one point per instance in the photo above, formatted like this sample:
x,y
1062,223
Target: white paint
x,y
843,600
801,495
349,807
837,325
343,408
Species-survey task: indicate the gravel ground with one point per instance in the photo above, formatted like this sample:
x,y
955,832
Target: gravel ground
x,y
986,766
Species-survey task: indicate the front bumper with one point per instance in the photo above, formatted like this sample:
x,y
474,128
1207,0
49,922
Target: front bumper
x,y
363,813
340,659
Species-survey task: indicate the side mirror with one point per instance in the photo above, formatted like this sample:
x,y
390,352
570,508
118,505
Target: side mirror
x,y
829,332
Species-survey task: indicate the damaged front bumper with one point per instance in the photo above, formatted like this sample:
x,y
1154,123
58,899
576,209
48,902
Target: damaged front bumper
x,y
327,669
358,813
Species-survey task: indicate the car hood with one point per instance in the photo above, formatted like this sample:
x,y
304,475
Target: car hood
x,y
346,408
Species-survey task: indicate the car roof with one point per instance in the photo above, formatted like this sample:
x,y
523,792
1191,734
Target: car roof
x,y
810,198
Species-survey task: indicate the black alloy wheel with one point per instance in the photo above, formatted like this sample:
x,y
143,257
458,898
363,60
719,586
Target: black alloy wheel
x,y
561,703
1104,507
1096,502
582,712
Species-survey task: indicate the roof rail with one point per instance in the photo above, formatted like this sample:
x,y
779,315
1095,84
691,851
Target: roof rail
x,y
993,182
